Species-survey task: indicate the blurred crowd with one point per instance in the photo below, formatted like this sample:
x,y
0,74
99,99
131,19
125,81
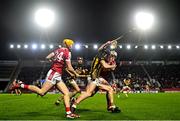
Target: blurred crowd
x,y
153,76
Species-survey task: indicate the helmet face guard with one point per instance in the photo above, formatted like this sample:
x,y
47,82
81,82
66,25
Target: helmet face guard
x,y
113,53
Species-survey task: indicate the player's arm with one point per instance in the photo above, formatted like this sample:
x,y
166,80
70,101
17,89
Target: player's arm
x,y
50,56
106,65
107,44
104,45
71,74
71,69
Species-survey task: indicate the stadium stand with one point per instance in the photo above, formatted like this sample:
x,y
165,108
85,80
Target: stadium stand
x,y
160,76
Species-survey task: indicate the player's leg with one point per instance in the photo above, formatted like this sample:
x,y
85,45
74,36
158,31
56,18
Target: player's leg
x,y
89,91
46,86
19,91
16,91
107,100
110,97
12,91
71,94
103,81
62,87
76,89
109,92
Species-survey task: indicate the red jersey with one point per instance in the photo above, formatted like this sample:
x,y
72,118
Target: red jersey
x,y
60,56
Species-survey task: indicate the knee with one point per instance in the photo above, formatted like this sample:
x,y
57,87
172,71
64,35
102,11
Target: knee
x,y
89,94
78,91
41,93
66,94
110,90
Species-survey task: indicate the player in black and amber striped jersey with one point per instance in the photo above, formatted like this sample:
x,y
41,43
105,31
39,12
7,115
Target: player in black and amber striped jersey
x,y
99,63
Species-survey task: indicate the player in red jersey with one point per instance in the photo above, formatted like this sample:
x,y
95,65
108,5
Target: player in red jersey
x,y
60,59
17,90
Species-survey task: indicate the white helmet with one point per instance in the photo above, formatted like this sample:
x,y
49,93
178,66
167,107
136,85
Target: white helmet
x,y
114,53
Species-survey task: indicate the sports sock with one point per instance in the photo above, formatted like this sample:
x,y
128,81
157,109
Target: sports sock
x,y
74,105
68,111
24,86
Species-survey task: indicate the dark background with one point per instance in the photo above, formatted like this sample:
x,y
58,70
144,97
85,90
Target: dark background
x,y
89,21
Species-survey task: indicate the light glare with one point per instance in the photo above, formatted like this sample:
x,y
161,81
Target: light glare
x,y
95,46
51,46
146,47
120,46
77,46
161,46
86,46
169,47
153,47
25,46
18,46
34,46
11,46
44,17
144,20
43,46
128,47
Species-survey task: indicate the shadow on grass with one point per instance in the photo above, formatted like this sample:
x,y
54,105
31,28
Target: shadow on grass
x,y
82,110
32,113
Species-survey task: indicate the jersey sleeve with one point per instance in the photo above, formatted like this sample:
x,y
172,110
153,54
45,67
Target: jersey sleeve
x,y
67,56
56,51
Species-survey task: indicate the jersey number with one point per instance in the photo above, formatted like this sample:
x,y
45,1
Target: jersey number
x,y
60,57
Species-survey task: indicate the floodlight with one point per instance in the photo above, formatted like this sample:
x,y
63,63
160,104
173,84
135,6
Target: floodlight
x,y
86,46
34,46
136,47
18,46
153,47
77,46
146,47
169,47
60,46
128,47
44,17
120,46
25,46
11,46
51,46
43,46
161,46
177,46
144,20
95,46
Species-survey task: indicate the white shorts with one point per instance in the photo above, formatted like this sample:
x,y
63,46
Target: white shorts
x,y
126,88
98,81
53,77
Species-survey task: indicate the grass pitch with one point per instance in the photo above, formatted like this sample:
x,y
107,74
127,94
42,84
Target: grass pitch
x,y
161,106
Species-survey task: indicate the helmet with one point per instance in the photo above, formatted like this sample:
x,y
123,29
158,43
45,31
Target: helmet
x,y
113,53
79,58
68,42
